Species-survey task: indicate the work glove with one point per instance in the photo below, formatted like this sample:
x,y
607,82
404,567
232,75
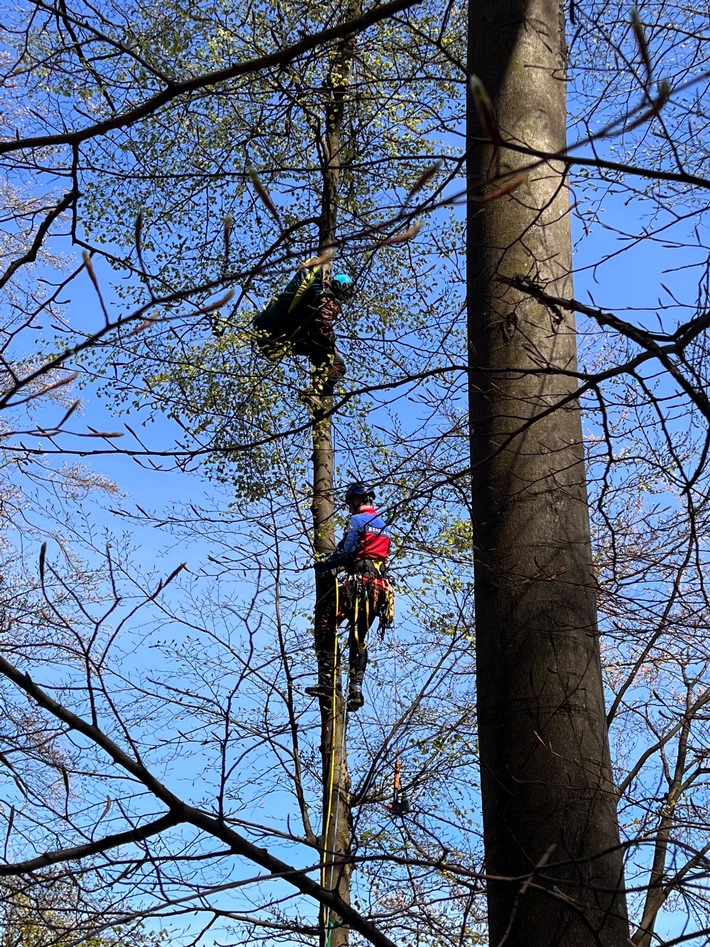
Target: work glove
x,y
322,564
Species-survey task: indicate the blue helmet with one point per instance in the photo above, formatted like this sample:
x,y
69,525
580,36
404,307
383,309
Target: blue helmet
x,y
359,489
341,284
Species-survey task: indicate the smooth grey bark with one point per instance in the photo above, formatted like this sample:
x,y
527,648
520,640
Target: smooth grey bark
x,y
549,802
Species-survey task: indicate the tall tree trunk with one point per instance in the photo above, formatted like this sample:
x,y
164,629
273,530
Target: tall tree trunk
x,y
336,836
549,802
337,809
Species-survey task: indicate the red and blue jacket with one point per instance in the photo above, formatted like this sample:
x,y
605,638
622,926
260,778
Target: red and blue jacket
x,y
367,537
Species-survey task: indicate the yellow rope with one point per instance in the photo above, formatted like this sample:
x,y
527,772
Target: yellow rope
x,y
331,776
354,621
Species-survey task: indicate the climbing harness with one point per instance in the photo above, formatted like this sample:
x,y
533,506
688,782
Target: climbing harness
x,y
370,588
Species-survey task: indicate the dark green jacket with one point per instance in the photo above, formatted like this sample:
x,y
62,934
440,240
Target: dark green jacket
x,y
293,314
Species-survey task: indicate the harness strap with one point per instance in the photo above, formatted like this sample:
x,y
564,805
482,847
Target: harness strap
x,y
306,282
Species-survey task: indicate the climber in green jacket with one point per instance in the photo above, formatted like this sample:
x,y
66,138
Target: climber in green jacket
x,y
299,321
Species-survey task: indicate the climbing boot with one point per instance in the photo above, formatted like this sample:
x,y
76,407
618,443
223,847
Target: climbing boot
x,y
324,687
319,690
355,698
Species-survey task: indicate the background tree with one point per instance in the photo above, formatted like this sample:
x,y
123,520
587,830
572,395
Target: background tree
x,y
547,788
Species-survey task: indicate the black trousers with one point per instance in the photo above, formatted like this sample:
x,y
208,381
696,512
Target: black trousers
x,y
355,600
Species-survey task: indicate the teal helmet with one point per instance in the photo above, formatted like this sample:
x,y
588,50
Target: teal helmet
x,y
341,284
